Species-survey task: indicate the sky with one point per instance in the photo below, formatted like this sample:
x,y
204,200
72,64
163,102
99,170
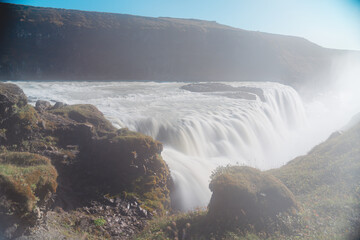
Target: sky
x,y
329,23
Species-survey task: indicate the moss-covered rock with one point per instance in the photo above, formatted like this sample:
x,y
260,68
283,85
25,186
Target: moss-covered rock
x,y
244,195
10,95
26,179
21,126
130,163
17,119
85,113
116,161
90,159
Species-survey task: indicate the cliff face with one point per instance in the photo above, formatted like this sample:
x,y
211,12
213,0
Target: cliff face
x,y
43,43
96,170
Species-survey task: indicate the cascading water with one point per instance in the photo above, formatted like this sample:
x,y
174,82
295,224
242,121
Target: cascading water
x,y
200,131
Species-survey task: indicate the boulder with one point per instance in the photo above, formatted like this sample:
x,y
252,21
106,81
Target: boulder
x,y
59,105
84,113
11,96
42,105
245,196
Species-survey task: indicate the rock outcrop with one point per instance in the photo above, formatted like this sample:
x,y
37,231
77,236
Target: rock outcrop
x,y
75,151
10,97
245,196
248,93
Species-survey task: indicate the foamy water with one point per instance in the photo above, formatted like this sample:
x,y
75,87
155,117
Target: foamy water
x,y
200,131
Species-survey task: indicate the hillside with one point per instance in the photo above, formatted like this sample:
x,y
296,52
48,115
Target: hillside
x,y
57,44
325,185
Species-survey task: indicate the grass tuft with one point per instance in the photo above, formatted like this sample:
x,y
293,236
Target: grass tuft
x,y
26,178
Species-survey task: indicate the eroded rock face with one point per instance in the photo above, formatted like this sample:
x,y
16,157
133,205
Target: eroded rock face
x,y
10,96
42,105
84,113
17,119
131,162
244,195
90,157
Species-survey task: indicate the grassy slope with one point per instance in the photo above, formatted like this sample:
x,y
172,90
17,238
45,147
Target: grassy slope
x,y
326,182
26,177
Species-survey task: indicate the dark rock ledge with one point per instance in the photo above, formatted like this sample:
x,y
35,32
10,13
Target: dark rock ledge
x,y
248,93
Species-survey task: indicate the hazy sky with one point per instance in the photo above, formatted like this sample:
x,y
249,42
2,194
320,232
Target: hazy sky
x,y
329,23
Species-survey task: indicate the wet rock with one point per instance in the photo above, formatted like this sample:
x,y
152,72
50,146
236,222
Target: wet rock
x,y
59,105
257,91
11,93
248,93
10,96
238,95
42,105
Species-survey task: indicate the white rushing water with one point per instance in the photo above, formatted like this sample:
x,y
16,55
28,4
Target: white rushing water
x,y
200,131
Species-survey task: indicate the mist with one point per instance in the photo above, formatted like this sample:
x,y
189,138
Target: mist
x,y
338,101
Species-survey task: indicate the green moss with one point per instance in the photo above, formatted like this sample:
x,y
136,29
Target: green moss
x,y
26,178
13,94
245,196
26,117
325,182
151,191
132,163
99,222
37,144
85,113
334,162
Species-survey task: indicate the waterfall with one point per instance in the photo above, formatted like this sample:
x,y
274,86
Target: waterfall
x,y
199,130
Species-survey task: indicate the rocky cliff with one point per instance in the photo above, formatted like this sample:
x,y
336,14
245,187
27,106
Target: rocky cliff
x,y
102,181
57,44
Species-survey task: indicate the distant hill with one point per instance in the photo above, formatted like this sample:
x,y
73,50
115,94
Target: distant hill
x,y
57,44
